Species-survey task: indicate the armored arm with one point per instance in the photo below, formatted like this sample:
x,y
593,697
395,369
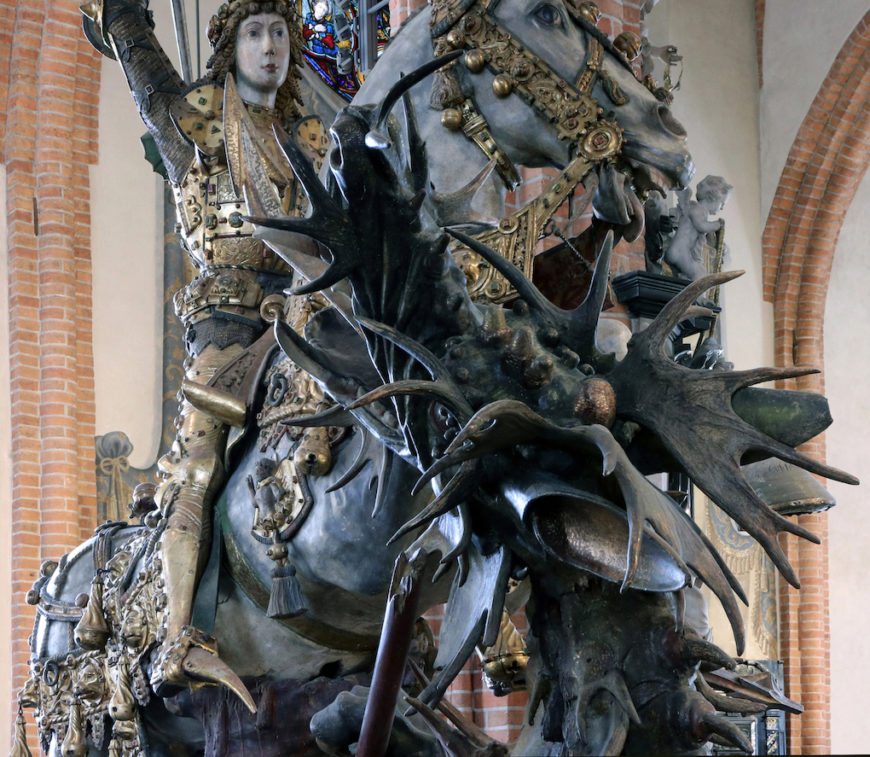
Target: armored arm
x,y
125,27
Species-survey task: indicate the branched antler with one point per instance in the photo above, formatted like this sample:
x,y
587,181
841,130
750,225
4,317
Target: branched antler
x,y
691,412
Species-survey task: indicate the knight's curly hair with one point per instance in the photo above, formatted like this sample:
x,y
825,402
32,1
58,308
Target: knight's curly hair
x,y
222,31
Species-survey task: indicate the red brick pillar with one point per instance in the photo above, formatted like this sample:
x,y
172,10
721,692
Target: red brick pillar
x,y
824,168
49,102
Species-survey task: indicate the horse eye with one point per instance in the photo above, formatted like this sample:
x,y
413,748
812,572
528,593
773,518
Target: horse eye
x,y
548,14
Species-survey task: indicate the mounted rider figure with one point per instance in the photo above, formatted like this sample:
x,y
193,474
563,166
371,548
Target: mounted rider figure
x,y
259,44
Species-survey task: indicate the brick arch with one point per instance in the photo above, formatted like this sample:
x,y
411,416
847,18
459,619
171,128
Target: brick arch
x,y
825,166
48,89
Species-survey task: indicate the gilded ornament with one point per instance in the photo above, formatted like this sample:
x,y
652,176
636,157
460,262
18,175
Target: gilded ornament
x,y
502,85
604,140
456,39
628,43
272,307
451,119
74,743
475,61
589,11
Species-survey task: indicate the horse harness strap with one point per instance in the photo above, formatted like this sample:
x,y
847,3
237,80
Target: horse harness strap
x,y
569,107
475,127
575,114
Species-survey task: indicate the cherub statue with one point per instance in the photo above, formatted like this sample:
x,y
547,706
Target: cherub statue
x,y
685,254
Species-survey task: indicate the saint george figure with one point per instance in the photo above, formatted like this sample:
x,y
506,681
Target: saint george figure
x,y
259,43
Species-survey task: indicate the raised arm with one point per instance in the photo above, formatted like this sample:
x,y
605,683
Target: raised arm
x,y
125,29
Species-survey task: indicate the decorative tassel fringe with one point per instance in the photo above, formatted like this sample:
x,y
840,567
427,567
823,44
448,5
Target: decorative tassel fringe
x,y
286,599
446,91
92,631
74,743
20,748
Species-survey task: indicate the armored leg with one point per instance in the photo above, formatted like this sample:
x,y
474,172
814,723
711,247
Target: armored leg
x,y
193,472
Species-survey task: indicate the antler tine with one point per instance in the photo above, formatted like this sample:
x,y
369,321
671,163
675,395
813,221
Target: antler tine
x,y
526,289
434,389
303,168
423,356
300,351
726,730
584,319
454,208
720,561
740,379
327,224
672,313
762,523
417,162
334,416
457,490
406,82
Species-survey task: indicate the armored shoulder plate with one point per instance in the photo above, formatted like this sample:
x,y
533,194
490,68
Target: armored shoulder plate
x,y
312,137
199,117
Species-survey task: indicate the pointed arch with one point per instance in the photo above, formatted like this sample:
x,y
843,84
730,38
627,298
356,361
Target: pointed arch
x,y
825,166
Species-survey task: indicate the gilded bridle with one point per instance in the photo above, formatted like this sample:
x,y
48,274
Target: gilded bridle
x,y
568,107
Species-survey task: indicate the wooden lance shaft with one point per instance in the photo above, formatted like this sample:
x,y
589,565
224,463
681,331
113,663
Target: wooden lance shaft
x,y
389,670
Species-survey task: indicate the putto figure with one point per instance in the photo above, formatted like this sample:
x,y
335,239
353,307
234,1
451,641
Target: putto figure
x,y
258,43
686,252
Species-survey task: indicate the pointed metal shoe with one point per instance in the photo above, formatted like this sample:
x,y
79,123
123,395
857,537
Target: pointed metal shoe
x,y
202,666
192,661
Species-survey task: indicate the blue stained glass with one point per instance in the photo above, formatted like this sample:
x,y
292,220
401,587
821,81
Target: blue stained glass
x,y
329,31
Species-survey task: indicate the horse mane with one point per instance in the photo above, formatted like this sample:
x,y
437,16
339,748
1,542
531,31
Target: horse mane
x,y
594,31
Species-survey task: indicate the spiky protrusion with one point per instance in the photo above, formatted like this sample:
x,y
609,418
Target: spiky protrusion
x,y
691,412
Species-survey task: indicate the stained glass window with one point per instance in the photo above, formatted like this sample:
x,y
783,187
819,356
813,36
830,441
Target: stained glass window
x,y
330,30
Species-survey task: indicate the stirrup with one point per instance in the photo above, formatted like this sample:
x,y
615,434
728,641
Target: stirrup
x,y
191,661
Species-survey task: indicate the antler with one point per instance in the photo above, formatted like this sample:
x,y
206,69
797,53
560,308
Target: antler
x,y
691,411
576,328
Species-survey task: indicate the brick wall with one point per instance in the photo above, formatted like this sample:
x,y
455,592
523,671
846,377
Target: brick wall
x,y
826,163
49,85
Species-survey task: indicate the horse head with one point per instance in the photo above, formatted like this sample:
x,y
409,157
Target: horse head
x,y
534,78
561,39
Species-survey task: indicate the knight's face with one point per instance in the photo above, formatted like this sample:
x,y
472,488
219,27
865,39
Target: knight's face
x,y
262,57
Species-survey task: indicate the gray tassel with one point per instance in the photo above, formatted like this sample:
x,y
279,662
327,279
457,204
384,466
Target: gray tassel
x,y
286,599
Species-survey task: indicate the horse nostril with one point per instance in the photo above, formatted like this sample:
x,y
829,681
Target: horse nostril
x,y
669,122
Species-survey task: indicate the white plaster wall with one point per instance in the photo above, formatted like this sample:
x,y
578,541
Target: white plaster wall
x,y
718,104
126,239
801,40
847,363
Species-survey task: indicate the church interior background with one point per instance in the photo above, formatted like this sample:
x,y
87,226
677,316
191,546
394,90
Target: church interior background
x,y
775,95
